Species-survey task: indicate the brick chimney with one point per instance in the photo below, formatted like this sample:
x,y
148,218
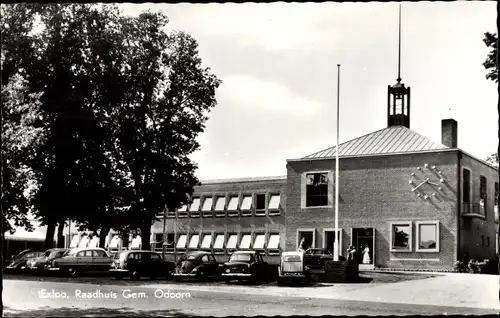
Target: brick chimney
x,y
449,133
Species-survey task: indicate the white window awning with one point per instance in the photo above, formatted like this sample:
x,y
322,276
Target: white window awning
x,y
75,241
232,241
195,205
193,242
84,242
181,243
207,204
233,204
274,242
219,241
246,204
94,242
207,241
274,202
259,242
245,241
115,242
136,242
220,203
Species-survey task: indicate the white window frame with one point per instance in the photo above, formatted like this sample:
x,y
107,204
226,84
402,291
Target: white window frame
x,y
273,211
179,239
417,228
246,212
241,239
299,230
196,213
207,213
235,212
203,240
221,249
228,236
303,190
260,212
255,235
273,251
410,239
332,229
220,213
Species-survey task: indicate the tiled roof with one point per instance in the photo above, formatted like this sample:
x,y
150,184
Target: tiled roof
x,y
396,139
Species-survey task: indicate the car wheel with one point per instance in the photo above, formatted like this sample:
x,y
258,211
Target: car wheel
x,y
177,278
135,275
228,281
72,272
200,276
118,277
280,282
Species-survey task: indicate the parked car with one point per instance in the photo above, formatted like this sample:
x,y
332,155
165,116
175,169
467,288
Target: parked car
x,y
80,260
38,264
135,264
248,265
200,265
292,268
18,262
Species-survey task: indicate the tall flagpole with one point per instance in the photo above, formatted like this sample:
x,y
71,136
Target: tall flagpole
x,y
336,243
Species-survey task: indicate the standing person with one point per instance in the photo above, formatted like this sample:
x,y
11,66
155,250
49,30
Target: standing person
x,y
351,254
366,255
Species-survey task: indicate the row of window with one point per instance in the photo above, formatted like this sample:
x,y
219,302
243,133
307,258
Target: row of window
x,y
259,204
427,236
219,243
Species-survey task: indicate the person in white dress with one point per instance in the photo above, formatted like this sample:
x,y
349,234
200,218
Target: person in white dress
x,y
366,255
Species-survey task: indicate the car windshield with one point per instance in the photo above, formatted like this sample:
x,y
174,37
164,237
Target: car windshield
x,y
292,258
191,257
240,258
47,253
70,253
20,254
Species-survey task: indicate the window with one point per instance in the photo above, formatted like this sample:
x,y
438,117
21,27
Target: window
x,y
169,243
239,257
245,242
204,259
207,207
305,238
207,241
194,209
158,237
99,253
232,207
232,241
496,193
246,205
482,195
87,253
466,191
219,244
274,204
194,241
274,244
316,189
155,257
259,242
401,237
181,242
182,211
219,207
428,236
260,204
488,240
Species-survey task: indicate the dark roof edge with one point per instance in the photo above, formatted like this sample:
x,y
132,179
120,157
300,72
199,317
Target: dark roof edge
x,y
236,180
486,163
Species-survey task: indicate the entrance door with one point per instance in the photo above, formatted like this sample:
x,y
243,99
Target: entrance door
x,y
363,240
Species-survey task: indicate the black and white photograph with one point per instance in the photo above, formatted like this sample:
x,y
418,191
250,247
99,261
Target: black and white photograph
x,y
249,159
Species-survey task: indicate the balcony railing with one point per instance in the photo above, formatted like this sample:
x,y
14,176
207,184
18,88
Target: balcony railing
x,y
474,209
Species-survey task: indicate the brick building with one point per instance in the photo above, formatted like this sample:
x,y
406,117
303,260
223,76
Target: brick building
x,y
404,200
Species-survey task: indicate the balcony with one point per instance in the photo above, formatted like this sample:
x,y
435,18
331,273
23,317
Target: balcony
x,y
473,210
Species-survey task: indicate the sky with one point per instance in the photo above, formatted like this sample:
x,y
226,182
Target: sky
x,y
278,63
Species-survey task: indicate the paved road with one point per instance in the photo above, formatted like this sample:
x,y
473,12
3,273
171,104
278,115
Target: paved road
x,y
41,298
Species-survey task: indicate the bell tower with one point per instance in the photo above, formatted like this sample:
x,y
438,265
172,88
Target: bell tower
x,y
398,96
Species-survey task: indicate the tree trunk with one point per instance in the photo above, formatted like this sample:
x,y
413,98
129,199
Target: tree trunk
x,y
49,236
145,236
60,235
498,106
103,235
2,252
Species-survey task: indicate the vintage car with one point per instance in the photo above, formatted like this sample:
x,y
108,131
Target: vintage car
x,y
18,262
292,268
38,264
139,263
248,265
200,265
315,259
81,260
